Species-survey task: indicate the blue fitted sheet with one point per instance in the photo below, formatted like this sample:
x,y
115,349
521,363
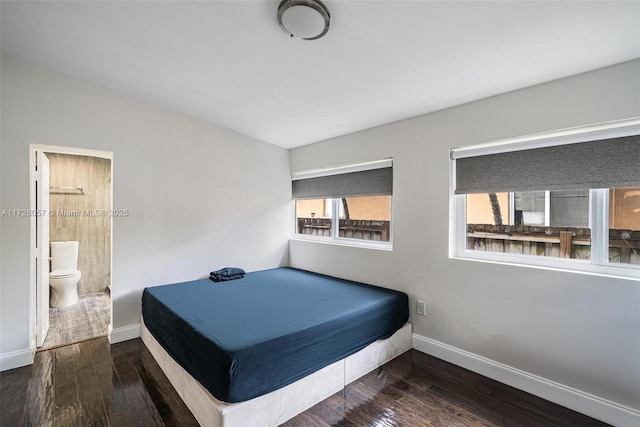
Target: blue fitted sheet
x,y
244,338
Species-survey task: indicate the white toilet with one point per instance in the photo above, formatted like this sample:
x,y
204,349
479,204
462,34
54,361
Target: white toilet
x,y
64,276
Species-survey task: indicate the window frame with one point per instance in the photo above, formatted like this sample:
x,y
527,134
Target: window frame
x,y
335,238
598,206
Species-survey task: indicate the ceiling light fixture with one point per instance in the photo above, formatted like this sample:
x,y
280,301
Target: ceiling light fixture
x,y
304,19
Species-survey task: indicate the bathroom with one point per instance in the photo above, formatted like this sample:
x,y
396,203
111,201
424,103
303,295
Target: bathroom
x,y
79,205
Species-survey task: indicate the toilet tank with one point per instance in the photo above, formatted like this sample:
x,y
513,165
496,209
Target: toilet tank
x,y
64,255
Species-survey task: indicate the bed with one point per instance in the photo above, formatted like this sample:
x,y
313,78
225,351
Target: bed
x,y
275,334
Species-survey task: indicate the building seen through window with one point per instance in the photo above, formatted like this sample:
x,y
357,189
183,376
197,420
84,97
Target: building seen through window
x,y
363,218
553,223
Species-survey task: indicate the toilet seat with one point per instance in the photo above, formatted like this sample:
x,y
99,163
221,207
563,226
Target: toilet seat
x,y
64,273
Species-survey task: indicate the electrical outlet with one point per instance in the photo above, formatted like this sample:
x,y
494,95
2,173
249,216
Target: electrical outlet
x,y
421,308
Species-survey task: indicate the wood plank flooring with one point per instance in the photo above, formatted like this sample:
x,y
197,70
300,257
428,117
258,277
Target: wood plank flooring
x,y
96,384
88,318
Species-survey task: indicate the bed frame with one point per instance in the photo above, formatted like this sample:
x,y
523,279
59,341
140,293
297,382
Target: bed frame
x,y
275,408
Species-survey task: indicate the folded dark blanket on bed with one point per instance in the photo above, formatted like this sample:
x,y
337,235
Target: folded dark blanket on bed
x,y
227,273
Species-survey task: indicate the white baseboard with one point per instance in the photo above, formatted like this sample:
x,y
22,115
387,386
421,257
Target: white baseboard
x,y
125,333
16,359
579,401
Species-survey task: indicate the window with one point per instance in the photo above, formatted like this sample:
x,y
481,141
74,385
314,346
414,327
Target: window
x,y
567,200
542,223
361,218
624,226
350,204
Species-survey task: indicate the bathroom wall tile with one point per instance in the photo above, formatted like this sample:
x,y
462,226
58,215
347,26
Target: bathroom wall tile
x,y
70,222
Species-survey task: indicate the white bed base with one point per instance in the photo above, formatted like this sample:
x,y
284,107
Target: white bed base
x,y
275,408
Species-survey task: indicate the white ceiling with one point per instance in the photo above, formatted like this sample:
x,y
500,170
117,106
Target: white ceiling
x,y
229,63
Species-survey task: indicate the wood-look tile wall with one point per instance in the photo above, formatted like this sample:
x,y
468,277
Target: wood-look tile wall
x,y
73,215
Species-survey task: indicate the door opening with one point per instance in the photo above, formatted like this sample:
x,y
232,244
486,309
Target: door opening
x,y
71,240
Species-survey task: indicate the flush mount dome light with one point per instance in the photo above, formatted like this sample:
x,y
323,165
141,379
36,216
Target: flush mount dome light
x,y
304,19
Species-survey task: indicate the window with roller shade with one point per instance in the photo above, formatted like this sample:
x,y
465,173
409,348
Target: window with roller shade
x,y
568,199
346,203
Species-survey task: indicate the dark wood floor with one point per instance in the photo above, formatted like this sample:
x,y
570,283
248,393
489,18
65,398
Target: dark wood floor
x,y
93,383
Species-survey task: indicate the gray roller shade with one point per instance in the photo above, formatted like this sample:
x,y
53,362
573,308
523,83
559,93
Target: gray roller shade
x,y
375,182
607,163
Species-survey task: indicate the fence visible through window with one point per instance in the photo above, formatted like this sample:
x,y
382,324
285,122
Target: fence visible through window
x,y
552,224
362,218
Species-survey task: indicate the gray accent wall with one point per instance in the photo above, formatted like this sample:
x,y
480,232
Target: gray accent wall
x,y
581,331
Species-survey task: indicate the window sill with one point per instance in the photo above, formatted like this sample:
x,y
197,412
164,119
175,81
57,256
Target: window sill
x,y
616,271
380,246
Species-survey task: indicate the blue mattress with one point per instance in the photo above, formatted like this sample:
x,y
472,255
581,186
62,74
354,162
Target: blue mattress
x,y
245,338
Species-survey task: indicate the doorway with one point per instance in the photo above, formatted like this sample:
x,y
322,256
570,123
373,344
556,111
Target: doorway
x,y
72,198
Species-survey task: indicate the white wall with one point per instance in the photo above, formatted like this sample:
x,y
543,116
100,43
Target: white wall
x,y
577,330
203,197
200,197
